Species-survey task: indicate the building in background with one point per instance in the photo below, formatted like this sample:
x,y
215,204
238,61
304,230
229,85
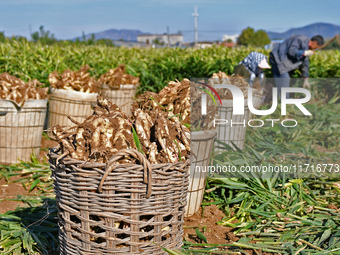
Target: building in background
x,y
230,38
166,39
203,45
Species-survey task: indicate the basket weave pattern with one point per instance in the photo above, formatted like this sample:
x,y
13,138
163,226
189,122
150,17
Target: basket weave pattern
x,y
20,131
104,209
60,108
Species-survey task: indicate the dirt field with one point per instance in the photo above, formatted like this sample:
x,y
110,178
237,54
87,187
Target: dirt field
x,y
10,190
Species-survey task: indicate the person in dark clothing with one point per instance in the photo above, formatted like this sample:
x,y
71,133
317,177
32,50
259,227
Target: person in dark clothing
x,y
251,67
290,55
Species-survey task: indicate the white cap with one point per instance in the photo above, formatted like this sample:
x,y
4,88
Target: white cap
x,y
264,64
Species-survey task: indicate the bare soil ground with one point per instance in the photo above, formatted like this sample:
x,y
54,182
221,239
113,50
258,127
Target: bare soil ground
x,y
214,233
10,190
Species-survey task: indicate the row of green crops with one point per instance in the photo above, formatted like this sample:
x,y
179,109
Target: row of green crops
x,y
155,67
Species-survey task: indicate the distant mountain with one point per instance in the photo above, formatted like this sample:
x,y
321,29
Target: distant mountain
x,y
116,34
324,29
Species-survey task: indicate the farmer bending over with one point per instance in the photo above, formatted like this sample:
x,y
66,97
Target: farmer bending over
x,y
290,55
252,66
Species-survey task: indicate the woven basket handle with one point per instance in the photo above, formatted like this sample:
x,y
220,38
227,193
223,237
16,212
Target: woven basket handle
x,y
147,172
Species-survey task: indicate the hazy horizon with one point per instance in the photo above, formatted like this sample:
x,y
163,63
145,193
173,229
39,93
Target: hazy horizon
x,y
69,19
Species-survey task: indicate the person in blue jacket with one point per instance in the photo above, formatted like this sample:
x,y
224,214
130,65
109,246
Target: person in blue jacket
x,y
292,54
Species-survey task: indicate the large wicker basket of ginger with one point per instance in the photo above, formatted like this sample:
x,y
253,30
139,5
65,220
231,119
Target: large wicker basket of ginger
x,y
22,115
120,183
119,87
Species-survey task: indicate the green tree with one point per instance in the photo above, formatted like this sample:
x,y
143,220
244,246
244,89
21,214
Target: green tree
x,y
261,38
249,37
45,37
35,36
91,40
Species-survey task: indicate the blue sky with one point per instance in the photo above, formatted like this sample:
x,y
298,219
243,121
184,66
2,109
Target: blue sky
x,y
69,18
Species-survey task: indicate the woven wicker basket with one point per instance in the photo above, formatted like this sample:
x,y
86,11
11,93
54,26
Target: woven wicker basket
x,y
119,208
20,129
122,96
201,145
63,103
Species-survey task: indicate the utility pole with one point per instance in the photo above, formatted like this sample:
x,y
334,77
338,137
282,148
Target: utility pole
x,y
195,14
168,33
